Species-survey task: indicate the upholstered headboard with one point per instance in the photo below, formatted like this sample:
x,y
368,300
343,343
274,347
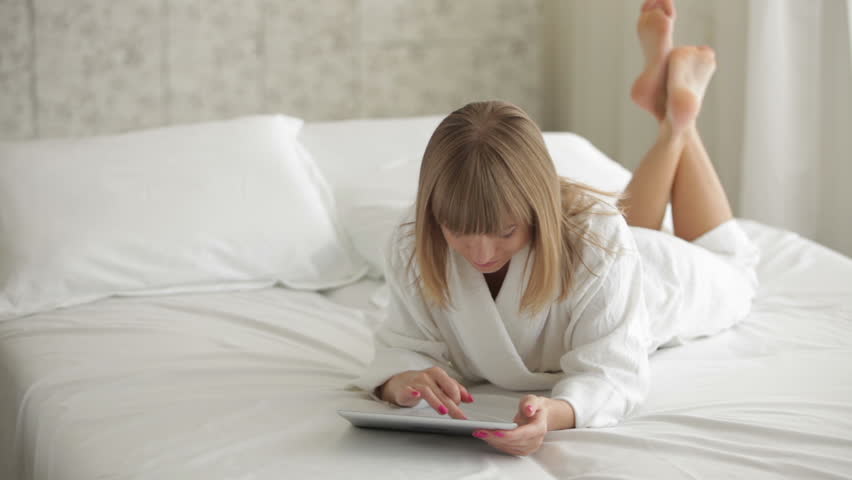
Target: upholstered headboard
x,y
82,67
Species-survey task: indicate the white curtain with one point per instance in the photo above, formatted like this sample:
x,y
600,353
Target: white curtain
x,y
796,156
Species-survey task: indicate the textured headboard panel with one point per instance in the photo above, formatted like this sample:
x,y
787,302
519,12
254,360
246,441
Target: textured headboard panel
x,y
81,67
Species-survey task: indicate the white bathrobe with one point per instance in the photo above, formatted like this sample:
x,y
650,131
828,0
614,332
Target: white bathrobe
x,y
590,349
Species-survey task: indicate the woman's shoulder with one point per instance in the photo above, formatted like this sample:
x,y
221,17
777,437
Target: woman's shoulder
x,y
602,238
605,224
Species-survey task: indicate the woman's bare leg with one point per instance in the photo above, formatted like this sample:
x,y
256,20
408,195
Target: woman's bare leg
x,y
699,202
649,191
677,168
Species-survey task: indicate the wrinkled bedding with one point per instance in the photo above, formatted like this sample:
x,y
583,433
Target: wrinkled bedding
x,y
245,385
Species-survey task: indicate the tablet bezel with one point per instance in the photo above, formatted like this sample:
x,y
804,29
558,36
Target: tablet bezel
x,y
412,423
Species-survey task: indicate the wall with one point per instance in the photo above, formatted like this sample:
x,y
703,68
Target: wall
x,y
81,67
98,66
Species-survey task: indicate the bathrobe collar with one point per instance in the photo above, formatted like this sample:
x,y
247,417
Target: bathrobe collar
x,y
480,322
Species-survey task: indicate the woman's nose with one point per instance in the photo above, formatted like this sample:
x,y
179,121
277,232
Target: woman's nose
x,y
482,250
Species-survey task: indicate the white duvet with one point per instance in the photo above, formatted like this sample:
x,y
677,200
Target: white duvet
x,y
245,385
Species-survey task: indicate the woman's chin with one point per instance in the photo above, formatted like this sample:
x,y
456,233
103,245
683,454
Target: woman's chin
x,y
488,268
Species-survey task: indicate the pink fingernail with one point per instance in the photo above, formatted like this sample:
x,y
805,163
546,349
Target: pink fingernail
x,y
442,410
480,434
469,397
415,393
529,408
500,434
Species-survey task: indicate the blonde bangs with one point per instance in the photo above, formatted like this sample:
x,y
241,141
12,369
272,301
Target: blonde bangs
x,y
477,195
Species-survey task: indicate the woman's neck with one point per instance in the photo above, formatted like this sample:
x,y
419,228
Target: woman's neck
x,y
495,279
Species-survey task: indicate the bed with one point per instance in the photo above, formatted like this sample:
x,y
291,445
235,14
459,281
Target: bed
x,y
243,383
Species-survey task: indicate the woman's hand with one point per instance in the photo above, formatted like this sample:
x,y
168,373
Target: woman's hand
x,y
535,417
441,391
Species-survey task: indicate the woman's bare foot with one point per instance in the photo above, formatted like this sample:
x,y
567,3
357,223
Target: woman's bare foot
x,y
656,23
690,70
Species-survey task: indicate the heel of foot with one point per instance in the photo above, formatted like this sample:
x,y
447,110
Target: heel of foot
x,y
648,92
683,106
642,91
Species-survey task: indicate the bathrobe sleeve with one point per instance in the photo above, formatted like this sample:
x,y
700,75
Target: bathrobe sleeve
x,y
606,364
409,338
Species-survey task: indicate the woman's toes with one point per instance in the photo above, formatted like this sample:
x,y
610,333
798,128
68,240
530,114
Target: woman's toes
x,y
653,26
666,5
682,54
706,54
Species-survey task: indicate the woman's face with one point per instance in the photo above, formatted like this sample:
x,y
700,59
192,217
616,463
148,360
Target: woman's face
x,y
489,253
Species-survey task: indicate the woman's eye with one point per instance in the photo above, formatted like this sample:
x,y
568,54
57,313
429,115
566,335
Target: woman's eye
x,y
508,234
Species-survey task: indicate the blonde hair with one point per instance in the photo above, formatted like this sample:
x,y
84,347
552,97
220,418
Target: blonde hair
x,y
485,162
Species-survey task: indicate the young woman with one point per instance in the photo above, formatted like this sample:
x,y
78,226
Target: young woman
x,y
509,274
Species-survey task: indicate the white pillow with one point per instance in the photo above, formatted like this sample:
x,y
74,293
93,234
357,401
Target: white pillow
x,y
353,152
373,166
576,158
213,206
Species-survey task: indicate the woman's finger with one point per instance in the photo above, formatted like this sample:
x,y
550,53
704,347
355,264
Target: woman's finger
x,y
535,428
408,396
456,412
448,384
466,397
512,448
443,405
520,441
529,405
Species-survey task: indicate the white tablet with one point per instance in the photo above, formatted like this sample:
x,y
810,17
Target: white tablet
x,y
425,420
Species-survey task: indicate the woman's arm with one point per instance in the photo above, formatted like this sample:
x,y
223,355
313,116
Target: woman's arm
x,y
409,344
606,343
560,415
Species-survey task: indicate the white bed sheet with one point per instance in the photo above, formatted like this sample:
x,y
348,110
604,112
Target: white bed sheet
x,y
245,385
365,295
